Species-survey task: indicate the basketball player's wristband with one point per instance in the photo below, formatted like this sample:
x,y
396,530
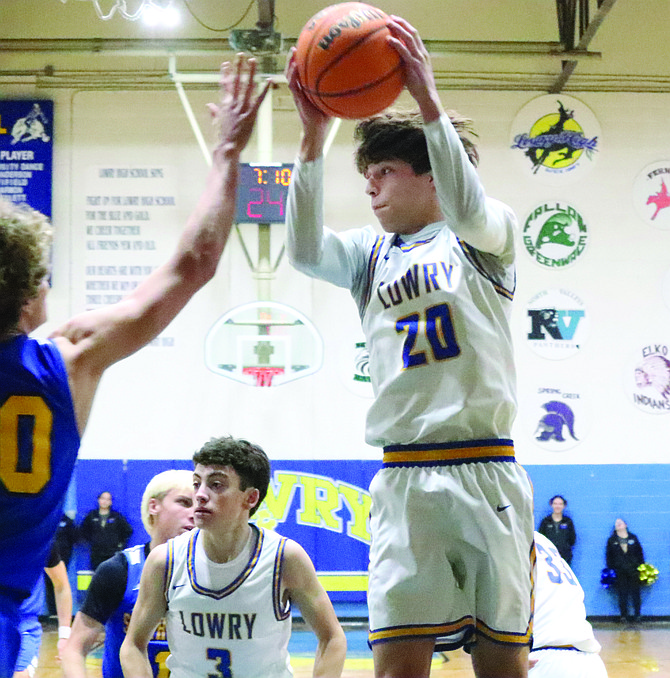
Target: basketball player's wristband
x,y
64,632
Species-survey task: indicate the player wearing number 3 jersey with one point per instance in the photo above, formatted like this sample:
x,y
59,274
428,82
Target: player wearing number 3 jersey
x,y
451,519
226,589
47,387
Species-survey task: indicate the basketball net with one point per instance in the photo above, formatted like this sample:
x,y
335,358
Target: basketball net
x,y
264,374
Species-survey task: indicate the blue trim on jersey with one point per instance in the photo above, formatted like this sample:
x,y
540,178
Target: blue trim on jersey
x,y
448,454
239,580
169,567
471,254
372,264
408,247
280,614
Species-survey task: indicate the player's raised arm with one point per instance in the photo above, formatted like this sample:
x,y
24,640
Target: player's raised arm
x,y
419,78
92,341
300,582
148,611
314,122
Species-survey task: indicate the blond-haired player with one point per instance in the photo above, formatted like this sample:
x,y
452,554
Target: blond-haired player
x,y
167,511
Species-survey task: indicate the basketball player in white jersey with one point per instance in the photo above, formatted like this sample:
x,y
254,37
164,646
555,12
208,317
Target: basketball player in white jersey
x,y
226,588
563,641
451,520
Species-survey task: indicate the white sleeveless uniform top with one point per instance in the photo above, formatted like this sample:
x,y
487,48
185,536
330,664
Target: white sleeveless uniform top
x,y
560,615
240,630
434,305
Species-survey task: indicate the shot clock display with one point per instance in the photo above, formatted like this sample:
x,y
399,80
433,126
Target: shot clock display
x,y
262,191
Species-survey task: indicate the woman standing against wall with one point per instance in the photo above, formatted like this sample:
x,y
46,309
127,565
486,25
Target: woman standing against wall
x,y
105,530
558,528
623,555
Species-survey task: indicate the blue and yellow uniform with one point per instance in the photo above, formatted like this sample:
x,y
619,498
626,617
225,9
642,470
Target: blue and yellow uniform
x,y
117,624
39,442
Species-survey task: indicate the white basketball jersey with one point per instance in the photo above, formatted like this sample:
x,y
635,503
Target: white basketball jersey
x,y
435,316
560,615
239,631
434,305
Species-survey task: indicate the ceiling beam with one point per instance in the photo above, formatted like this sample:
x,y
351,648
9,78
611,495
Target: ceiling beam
x,y
195,46
587,28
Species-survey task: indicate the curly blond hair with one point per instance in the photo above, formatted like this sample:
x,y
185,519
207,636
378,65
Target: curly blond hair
x,y
25,242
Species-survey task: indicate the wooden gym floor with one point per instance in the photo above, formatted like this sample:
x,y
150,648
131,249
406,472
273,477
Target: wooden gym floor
x,y
642,651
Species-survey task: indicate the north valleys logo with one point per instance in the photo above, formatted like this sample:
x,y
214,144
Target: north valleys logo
x,y
557,324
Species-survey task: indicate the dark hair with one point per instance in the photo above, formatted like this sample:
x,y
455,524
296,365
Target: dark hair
x,y
558,496
400,136
249,461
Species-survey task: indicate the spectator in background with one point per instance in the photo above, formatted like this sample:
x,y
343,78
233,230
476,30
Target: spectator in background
x,y
65,539
105,530
624,554
558,528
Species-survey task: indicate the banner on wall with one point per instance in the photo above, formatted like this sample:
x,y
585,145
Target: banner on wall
x,y
325,507
557,323
128,213
555,139
651,194
647,378
555,234
562,417
26,152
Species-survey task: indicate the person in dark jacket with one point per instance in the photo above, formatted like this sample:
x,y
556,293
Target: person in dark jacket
x,y
624,554
105,530
558,528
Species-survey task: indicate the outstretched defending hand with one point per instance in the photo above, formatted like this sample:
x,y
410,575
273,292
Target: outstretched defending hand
x,y
236,112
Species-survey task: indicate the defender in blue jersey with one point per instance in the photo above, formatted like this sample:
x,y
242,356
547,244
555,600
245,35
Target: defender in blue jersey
x,y
167,511
47,386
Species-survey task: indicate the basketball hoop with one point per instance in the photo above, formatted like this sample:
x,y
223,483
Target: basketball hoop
x,y
264,374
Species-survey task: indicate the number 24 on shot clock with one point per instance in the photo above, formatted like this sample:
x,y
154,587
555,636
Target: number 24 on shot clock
x,y
261,194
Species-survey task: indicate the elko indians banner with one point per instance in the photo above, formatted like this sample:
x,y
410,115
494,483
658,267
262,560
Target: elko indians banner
x,y
26,152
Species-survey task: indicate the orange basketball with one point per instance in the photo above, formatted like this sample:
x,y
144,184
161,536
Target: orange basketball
x,y
345,64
